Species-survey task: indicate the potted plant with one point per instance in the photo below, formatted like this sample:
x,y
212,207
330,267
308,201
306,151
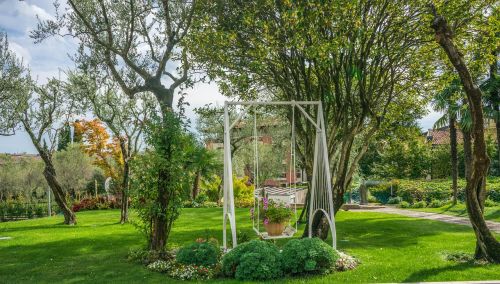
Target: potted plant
x,y
275,216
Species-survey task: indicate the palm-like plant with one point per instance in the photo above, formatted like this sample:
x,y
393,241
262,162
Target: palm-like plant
x,y
204,164
491,101
447,102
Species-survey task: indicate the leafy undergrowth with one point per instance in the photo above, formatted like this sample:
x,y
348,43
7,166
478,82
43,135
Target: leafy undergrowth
x,y
491,213
391,248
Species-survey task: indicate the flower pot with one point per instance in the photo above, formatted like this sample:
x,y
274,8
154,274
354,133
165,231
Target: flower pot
x,y
274,229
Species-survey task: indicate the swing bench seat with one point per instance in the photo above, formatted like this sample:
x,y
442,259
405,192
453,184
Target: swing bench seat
x,y
289,232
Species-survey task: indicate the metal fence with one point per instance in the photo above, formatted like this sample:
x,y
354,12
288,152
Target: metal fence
x,y
12,211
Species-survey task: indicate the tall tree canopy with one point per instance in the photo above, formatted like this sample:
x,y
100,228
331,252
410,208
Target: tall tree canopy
x,y
361,59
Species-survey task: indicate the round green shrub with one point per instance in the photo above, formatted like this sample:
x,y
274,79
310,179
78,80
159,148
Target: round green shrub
x,y
494,194
254,260
489,203
404,204
203,253
308,255
420,204
435,203
394,200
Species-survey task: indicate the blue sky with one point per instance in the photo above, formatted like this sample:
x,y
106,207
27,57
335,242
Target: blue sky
x,y
45,60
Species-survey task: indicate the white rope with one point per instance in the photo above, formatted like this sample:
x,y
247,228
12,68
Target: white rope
x,y
293,152
256,167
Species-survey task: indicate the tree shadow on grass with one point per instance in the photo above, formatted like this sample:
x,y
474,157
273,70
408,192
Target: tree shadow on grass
x,y
55,226
424,274
390,232
495,215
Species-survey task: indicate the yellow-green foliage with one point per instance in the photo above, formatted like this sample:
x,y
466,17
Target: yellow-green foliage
x,y
243,192
212,187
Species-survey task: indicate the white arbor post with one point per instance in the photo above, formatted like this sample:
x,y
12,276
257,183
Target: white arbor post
x,y
228,201
321,197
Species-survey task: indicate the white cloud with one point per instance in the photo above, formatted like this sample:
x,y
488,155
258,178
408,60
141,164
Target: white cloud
x,y
20,52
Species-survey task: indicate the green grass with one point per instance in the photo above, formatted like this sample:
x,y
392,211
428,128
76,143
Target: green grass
x,y
490,213
392,248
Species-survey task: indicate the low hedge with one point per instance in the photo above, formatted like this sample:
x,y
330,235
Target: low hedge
x,y
254,260
413,191
95,204
308,255
199,253
261,260
17,210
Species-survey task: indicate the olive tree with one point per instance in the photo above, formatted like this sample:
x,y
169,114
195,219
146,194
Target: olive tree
x,y
140,43
41,111
125,117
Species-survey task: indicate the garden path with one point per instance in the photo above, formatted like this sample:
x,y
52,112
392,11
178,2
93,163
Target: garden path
x,y
494,226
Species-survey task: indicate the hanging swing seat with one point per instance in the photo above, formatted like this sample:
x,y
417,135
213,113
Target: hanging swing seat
x,y
277,190
287,233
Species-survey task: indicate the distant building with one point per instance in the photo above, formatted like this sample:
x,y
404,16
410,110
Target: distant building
x,y
441,136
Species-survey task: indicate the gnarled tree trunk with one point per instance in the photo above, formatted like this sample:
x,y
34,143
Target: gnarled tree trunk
x,y
49,173
125,181
162,222
196,185
487,246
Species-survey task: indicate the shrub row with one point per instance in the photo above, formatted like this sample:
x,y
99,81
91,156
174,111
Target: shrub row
x,y
12,210
259,260
253,260
413,191
95,204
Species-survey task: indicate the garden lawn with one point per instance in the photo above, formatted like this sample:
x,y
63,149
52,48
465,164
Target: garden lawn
x,y
392,248
490,213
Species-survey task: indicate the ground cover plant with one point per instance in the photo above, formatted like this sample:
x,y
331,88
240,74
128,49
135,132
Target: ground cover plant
x,y
391,248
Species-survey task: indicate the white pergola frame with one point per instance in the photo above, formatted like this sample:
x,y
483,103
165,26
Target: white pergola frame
x,y
314,207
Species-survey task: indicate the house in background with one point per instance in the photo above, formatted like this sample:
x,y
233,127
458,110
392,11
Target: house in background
x,y
441,136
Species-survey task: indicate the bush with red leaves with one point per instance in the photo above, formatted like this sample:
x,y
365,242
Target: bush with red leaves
x,y
95,204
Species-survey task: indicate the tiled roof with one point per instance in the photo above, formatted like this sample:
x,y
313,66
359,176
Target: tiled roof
x,y
441,136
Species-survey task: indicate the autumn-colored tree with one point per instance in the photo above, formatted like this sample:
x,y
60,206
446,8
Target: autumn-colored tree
x,y
97,142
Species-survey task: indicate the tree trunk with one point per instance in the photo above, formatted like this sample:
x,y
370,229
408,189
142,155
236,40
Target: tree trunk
x,y
162,222
467,153
125,189
125,151
497,126
50,176
196,185
454,157
49,173
363,194
486,242
159,234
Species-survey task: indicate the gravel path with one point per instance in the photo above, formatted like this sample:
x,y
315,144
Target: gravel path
x,y
494,226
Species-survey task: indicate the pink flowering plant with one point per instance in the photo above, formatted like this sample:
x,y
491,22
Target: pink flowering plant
x,y
274,212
